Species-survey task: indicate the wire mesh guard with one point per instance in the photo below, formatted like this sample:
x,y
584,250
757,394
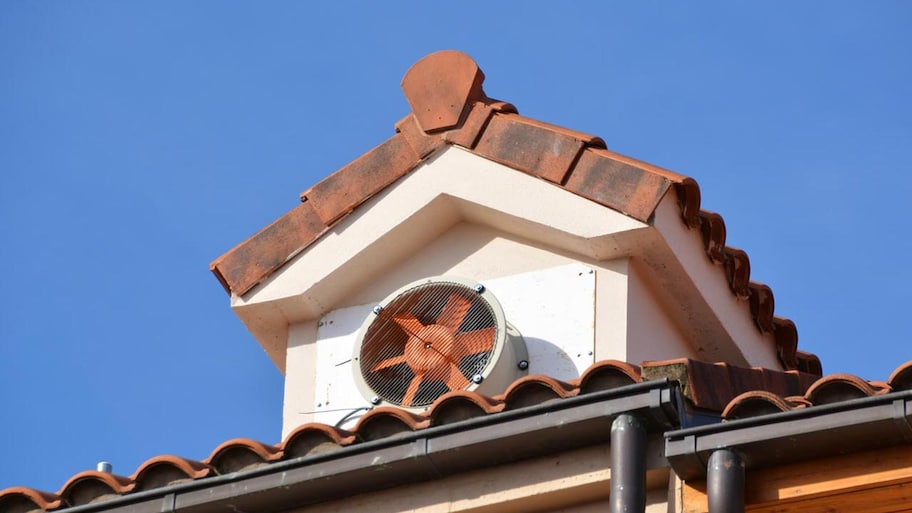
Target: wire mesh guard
x,y
428,340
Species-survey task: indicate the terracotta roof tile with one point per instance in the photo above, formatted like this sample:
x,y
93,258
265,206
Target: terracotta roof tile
x,y
749,392
604,179
440,87
342,191
91,486
762,305
315,438
829,389
755,403
253,260
901,378
449,106
20,499
387,421
608,374
461,405
842,387
528,146
166,470
241,453
712,386
536,389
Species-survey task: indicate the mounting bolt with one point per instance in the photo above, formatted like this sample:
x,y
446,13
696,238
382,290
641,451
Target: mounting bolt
x,y
523,364
377,309
478,378
375,400
479,288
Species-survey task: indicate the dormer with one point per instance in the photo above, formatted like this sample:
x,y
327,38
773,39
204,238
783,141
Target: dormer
x,y
586,254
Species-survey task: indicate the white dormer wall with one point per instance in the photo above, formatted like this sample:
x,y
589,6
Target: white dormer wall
x,y
571,313
633,297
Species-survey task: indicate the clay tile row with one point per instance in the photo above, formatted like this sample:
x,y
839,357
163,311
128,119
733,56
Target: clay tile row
x,y
736,392
829,389
313,438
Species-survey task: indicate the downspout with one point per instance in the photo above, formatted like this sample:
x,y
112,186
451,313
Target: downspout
x,y
628,465
725,482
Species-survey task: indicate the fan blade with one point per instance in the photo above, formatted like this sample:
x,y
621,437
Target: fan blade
x,y
473,342
408,322
389,362
409,397
454,312
456,380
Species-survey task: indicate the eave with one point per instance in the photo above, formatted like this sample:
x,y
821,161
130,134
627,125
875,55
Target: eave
x,y
414,457
796,435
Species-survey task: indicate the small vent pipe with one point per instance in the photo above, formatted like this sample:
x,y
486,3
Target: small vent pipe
x,y
104,466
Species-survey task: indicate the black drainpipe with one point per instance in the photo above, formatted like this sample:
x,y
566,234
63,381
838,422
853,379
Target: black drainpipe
x,y
628,465
725,482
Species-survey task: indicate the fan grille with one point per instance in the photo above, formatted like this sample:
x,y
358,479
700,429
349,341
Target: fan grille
x,y
428,340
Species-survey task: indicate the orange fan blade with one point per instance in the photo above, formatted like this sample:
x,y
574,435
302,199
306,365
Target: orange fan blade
x,y
409,397
456,380
389,362
454,312
474,342
408,322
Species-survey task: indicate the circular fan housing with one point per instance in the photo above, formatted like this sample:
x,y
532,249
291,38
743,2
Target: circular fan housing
x,y
434,336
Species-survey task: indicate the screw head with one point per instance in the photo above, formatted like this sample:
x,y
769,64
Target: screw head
x,y
377,309
523,364
479,288
375,400
478,378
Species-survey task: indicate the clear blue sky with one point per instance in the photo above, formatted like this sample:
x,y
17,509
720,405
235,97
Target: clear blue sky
x,y
141,140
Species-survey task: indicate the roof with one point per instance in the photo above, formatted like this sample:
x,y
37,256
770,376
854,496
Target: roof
x,y
725,390
449,107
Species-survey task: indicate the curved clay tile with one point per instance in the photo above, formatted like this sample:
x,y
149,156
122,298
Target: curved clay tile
x,y
20,499
809,363
536,389
240,454
737,270
608,374
762,305
315,438
387,421
93,486
712,227
689,201
166,470
901,378
754,404
462,405
786,335
841,387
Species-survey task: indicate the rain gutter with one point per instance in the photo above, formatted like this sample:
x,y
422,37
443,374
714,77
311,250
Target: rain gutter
x,y
413,457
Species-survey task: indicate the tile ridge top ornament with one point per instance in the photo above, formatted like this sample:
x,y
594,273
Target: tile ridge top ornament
x,y
441,87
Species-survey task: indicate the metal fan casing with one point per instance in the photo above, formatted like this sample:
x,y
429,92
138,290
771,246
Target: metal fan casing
x,y
506,361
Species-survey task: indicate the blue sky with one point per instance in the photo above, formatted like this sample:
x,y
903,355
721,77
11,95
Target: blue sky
x,y
141,140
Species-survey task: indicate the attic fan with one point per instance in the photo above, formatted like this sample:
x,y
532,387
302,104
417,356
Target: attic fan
x,y
433,336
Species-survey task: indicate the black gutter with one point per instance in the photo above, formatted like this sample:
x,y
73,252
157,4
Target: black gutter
x,y
817,431
413,457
